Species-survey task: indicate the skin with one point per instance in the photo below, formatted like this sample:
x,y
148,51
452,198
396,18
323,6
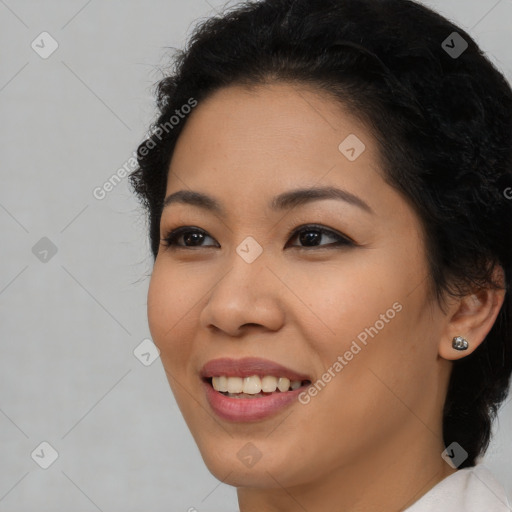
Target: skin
x,y
372,437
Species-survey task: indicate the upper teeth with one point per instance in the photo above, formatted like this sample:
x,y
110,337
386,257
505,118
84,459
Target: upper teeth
x,y
254,384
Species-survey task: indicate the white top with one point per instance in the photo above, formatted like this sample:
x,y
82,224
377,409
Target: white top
x,y
467,490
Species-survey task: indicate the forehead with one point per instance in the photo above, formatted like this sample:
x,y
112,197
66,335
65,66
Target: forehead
x,y
243,136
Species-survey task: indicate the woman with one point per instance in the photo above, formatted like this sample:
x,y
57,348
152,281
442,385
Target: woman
x,y
325,186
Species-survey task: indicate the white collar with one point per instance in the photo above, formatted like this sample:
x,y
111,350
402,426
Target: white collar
x,y
471,489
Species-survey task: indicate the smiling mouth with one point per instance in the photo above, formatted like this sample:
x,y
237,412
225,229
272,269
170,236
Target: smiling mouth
x,y
254,386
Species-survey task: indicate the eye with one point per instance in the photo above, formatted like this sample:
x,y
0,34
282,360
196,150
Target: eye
x,y
190,235
312,233
309,235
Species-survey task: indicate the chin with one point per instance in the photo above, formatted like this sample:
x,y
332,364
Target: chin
x,y
244,463
232,472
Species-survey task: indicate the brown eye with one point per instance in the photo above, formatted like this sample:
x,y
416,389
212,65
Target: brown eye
x,y
311,235
192,237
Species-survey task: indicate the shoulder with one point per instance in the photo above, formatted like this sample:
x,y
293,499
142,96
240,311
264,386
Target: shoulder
x,y
472,489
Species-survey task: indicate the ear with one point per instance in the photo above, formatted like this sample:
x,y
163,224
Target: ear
x,y
472,317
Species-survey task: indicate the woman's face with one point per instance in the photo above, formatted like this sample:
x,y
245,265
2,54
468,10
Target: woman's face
x,y
350,315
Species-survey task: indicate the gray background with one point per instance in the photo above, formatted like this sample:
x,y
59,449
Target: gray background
x,y
70,325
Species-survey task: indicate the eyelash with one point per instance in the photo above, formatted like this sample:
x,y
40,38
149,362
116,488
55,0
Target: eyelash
x,y
341,240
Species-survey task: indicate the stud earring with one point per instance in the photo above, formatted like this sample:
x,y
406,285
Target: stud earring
x,y
460,343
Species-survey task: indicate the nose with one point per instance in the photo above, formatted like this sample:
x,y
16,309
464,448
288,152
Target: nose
x,y
248,295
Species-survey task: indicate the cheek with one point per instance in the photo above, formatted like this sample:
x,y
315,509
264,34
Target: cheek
x,y
368,316
172,320
343,300
171,315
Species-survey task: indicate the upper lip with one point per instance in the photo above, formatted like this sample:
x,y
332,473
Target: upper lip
x,y
247,367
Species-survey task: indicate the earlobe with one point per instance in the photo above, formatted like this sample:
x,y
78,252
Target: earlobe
x,y
472,317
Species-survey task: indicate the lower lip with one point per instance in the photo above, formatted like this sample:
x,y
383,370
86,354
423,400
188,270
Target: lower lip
x,y
249,409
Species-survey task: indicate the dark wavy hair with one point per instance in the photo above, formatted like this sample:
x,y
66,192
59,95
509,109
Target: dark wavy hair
x,y
442,122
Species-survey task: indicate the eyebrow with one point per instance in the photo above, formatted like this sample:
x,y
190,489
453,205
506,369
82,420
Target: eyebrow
x,y
284,201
